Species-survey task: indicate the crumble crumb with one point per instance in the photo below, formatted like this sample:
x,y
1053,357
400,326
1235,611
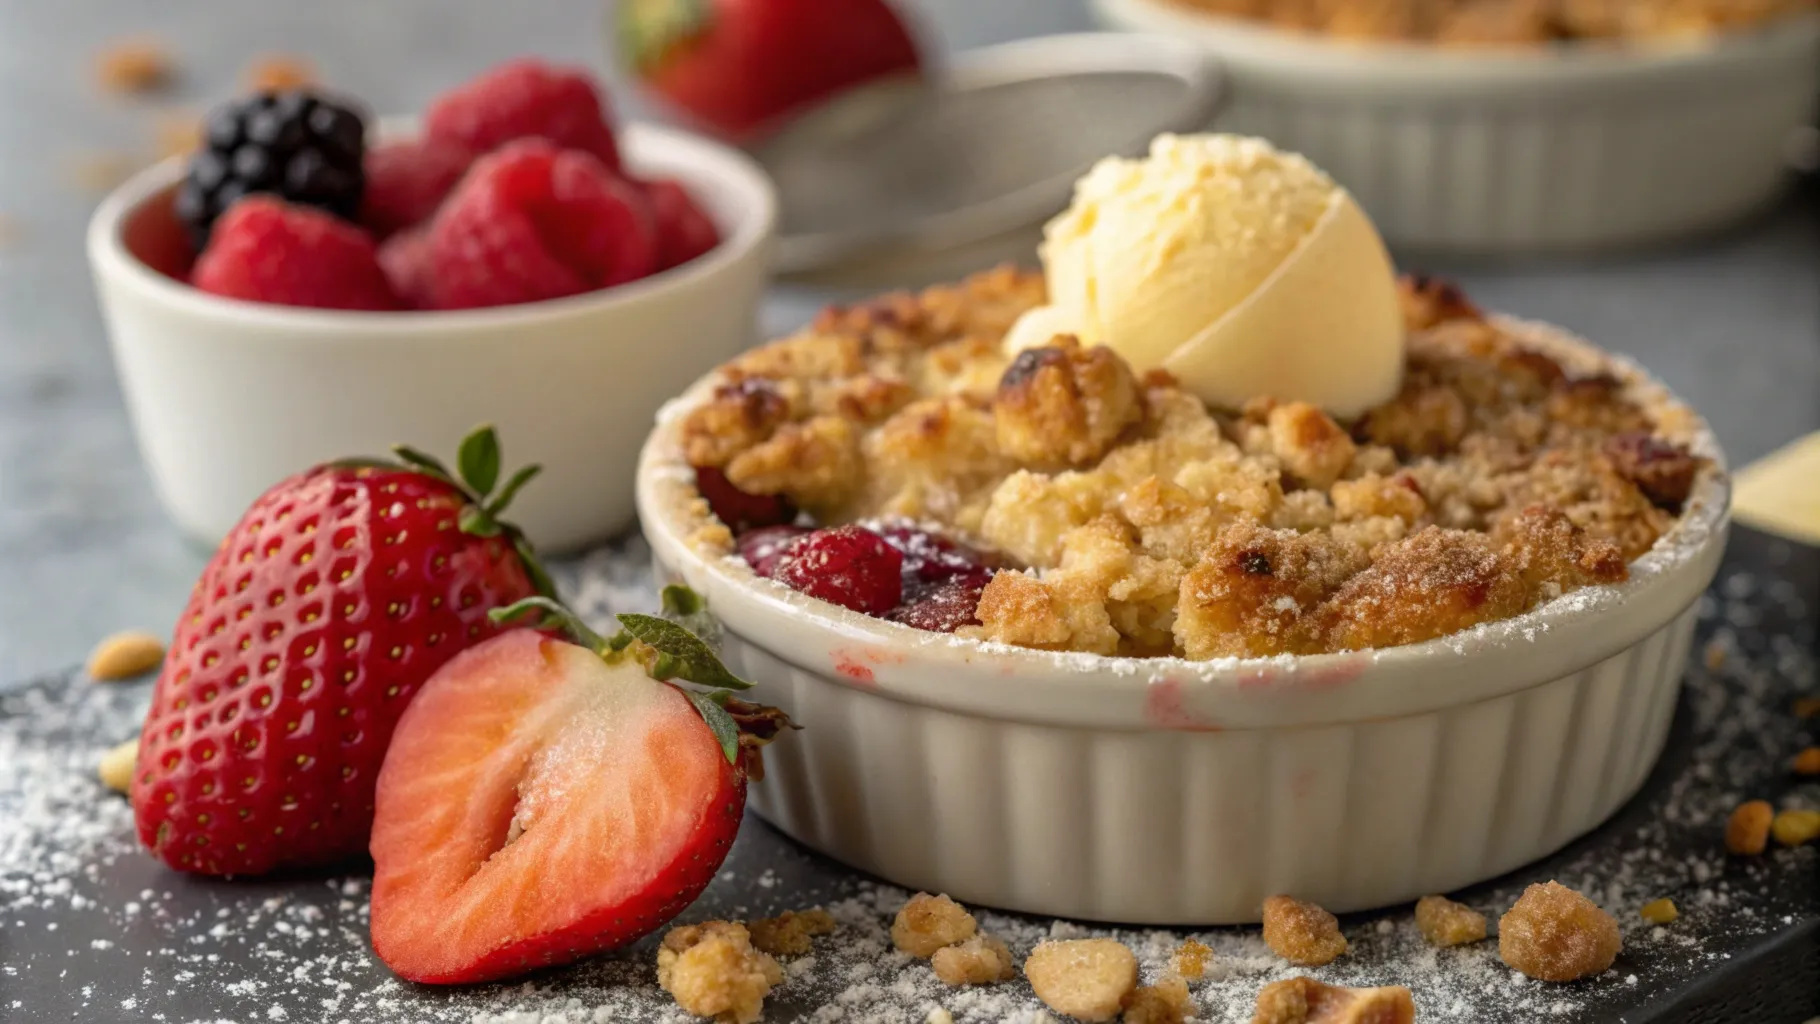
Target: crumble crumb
x,y
1301,933
1165,1002
1304,1000
132,67
1553,933
789,933
1714,656
279,72
1191,959
1662,911
712,971
116,768
1747,831
125,656
927,923
1796,828
980,960
1446,923
939,1016
1807,762
1087,979
1807,707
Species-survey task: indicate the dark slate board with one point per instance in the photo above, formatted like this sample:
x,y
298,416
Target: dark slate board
x,y
93,931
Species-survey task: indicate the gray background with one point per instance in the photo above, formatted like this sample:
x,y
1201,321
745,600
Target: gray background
x,y
1732,323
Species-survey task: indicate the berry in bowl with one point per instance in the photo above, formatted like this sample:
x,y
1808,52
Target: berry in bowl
x,y
298,289
1216,553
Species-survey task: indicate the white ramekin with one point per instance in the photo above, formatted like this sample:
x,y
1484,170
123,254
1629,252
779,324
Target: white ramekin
x,y
1175,792
228,397
1574,147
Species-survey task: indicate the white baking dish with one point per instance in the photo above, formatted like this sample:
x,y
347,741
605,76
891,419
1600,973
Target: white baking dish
x,y
1177,792
1568,147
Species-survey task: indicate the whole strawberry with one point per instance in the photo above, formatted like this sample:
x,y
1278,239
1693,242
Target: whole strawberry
x,y
338,593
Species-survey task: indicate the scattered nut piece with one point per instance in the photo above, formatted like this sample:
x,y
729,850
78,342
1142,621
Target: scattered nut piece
x,y
1807,762
1807,707
1662,911
1794,828
1087,979
927,923
277,72
1190,959
712,971
1301,933
981,960
1747,832
1555,934
1306,1001
117,765
788,933
1165,1002
133,67
1446,923
124,656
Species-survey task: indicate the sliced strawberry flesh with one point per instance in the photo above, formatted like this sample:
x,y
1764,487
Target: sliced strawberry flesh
x,y
538,805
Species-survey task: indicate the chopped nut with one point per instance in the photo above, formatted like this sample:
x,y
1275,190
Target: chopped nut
x,y
1165,1002
927,923
116,769
1087,979
1662,911
133,67
1190,959
981,960
1747,832
713,971
1555,934
125,656
1446,923
1807,707
1794,828
1301,933
278,72
1807,762
1306,1001
788,933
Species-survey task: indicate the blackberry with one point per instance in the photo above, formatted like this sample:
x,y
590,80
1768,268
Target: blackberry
x,y
295,144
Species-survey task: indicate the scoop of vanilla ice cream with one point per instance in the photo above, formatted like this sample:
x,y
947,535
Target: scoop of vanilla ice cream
x,y
1243,270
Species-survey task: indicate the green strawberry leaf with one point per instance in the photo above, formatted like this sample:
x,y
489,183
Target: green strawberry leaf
x,y
478,458
680,654
552,614
725,729
422,462
540,577
679,602
511,489
475,522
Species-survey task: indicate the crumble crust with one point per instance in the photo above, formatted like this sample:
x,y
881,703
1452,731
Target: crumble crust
x,y
1507,22
1148,524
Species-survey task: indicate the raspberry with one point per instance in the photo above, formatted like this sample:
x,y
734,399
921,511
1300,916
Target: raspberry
x,y
684,232
532,222
739,510
521,99
929,557
766,549
850,566
407,181
945,607
405,258
266,250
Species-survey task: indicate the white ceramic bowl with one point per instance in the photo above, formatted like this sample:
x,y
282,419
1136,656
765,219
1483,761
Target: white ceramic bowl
x,y
229,397
1572,147
1175,792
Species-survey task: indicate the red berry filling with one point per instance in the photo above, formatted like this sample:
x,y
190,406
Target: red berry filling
x,y
848,565
765,549
739,510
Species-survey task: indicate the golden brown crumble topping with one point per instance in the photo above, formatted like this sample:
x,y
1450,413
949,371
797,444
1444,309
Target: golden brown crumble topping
x,y
1301,932
1553,933
1796,827
1807,762
979,960
1304,1000
712,970
927,923
1166,1002
1662,911
789,933
1446,923
1087,979
1747,830
1148,524
1191,959
1507,22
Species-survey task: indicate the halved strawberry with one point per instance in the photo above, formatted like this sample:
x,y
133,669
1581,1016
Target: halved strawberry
x,y
543,801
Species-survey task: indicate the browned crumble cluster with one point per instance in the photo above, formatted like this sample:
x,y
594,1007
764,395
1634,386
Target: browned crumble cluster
x,y
1166,1002
1191,959
134,66
1747,830
1553,933
712,970
1796,827
1662,911
937,929
1148,524
1301,933
1507,22
978,960
1307,1001
789,933
1087,979
1446,923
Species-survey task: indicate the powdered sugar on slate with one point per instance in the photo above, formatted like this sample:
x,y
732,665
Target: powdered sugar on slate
x,y
95,928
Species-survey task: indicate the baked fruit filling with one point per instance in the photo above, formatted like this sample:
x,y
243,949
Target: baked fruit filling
x,y
894,459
